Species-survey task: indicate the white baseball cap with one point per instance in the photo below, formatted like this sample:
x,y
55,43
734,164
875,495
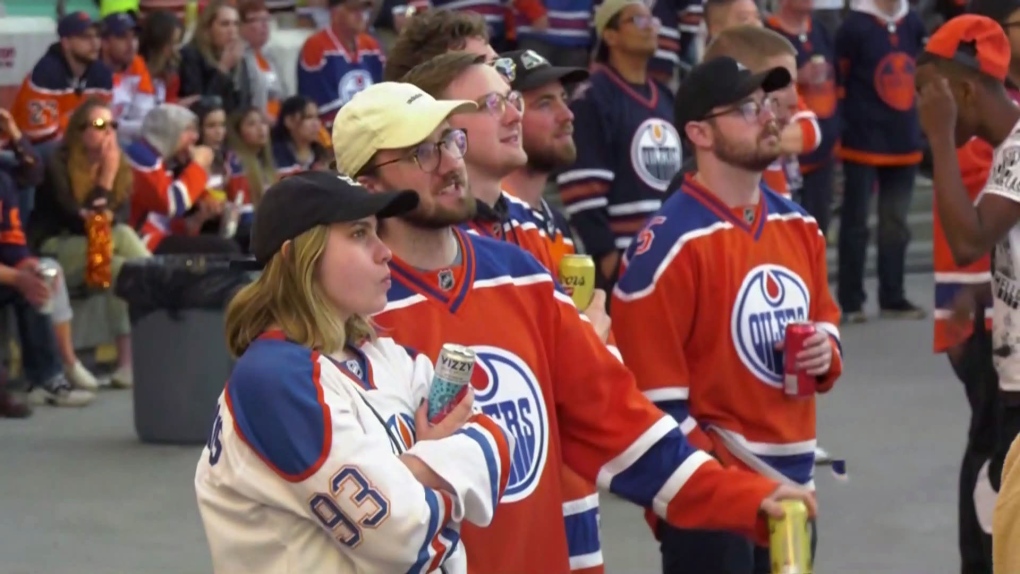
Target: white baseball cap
x,y
388,115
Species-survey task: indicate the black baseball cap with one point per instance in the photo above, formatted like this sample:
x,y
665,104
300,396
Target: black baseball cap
x,y
532,71
300,202
721,82
118,24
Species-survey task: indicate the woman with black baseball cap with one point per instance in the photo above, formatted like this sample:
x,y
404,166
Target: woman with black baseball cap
x,y
321,431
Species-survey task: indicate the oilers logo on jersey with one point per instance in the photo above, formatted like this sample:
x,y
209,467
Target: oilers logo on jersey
x,y
769,297
353,82
507,390
655,153
402,427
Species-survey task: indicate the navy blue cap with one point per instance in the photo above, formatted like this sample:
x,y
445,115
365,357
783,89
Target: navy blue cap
x,y
74,24
118,24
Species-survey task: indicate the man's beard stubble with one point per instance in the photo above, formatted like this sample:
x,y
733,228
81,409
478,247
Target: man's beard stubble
x,y
550,160
434,216
754,159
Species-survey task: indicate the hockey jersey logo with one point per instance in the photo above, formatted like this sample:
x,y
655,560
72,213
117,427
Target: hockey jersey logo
x,y
769,297
402,427
655,153
353,82
508,391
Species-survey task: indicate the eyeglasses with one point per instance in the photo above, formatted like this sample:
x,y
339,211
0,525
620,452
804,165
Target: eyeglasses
x,y
642,21
751,110
506,68
428,154
495,103
103,125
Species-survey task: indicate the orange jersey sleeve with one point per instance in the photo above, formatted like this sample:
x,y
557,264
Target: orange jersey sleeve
x,y
811,132
156,190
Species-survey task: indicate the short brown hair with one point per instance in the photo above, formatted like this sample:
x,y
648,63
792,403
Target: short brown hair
x,y
246,8
434,76
749,45
429,34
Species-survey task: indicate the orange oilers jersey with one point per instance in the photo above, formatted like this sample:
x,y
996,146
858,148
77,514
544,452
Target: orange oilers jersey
x,y
775,176
565,399
133,96
49,94
719,285
524,227
975,158
158,197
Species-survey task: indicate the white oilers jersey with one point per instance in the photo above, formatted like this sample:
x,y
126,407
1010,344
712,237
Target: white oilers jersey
x,y
1004,180
301,471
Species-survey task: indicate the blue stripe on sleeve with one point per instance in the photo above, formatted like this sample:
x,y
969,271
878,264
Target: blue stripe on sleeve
x,y
641,481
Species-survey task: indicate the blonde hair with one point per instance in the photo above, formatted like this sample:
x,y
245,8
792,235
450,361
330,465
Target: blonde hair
x,y
750,45
257,163
202,38
288,296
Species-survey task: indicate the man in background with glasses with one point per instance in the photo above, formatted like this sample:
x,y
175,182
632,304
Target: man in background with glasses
x,y
553,383
627,149
720,270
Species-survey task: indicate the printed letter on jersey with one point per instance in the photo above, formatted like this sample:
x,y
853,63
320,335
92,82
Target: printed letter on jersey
x,y
508,391
655,153
770,297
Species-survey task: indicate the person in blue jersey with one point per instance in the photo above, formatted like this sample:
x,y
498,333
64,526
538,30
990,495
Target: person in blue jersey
x,y
339,61
627,147
321,456
880,146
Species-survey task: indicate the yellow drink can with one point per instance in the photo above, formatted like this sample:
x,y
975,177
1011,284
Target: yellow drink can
x,y
577,276
790,540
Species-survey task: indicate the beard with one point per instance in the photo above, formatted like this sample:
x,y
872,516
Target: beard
x,y
82,58
551,158
756,157
432,215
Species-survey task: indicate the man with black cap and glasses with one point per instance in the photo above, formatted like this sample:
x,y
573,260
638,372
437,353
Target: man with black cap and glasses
x,y
720,271
547,131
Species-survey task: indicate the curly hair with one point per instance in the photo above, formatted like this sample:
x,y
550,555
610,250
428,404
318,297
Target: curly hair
x,y
429,34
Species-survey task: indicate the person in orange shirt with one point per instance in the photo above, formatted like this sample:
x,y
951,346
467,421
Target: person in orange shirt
x,y
133,92
547,135
68,73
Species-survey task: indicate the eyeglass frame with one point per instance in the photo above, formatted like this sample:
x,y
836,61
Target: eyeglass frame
x,y
768,100
506,68
504,100
436,146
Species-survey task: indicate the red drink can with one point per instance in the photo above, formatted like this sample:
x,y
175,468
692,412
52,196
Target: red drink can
x,y
797,383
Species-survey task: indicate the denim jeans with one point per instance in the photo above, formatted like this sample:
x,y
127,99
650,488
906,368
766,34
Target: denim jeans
x,y
895,186
713,551
38,343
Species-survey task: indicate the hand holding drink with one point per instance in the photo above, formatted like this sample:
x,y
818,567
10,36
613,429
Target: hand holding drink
x,y
808,355
451,381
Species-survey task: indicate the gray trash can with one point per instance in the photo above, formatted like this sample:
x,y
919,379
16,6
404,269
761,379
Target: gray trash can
x,y
180,355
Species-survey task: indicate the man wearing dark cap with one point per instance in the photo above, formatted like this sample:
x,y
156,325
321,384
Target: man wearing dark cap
x,y
1007,14
547,131
67,74
960,81
706,290
133,92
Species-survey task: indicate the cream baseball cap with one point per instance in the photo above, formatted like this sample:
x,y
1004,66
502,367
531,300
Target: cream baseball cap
x,y
388,115
605,12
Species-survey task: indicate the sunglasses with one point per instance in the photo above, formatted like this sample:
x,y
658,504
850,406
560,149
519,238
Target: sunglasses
x,y
103,125
506,68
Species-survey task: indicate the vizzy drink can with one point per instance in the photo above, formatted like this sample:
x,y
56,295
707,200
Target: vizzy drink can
x,y
797,383
450,380
577,276
790,540
50,274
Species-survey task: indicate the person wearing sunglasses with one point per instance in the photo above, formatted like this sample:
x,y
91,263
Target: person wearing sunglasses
x,y
627,148
322,429
88,167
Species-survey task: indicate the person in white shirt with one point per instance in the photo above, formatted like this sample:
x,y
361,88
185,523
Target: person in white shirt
x,y
321,457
